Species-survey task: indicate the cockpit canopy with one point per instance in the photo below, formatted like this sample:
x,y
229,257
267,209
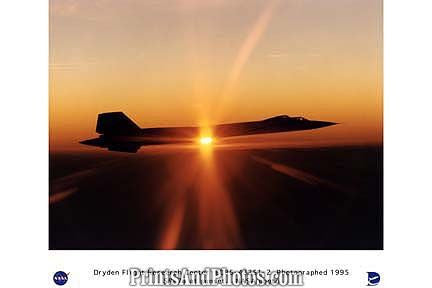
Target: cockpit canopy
x,y
285,118
300,118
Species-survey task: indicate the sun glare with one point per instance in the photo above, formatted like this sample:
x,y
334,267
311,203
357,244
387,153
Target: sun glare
x,y
206,140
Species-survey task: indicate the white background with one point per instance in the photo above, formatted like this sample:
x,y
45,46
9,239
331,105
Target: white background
x,y
26,261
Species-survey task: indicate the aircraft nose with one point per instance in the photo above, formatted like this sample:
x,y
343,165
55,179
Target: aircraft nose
x,y
326,123
330,123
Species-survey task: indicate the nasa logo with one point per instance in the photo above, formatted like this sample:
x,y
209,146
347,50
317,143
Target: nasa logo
x,y
373,278
60,278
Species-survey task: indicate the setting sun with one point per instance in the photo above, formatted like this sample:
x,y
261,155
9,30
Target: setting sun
x,y
206,140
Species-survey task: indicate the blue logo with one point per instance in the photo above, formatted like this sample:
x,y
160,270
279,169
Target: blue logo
x,y
60,278
373,278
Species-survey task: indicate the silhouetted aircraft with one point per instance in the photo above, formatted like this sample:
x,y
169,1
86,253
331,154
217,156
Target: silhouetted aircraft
x,y
120,133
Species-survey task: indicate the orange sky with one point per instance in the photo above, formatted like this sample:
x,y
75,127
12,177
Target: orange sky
x,y
182,62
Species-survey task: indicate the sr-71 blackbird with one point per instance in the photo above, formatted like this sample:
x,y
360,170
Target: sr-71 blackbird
x,y
120,133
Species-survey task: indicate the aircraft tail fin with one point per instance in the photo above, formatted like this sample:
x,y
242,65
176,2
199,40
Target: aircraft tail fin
x,y
116,123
